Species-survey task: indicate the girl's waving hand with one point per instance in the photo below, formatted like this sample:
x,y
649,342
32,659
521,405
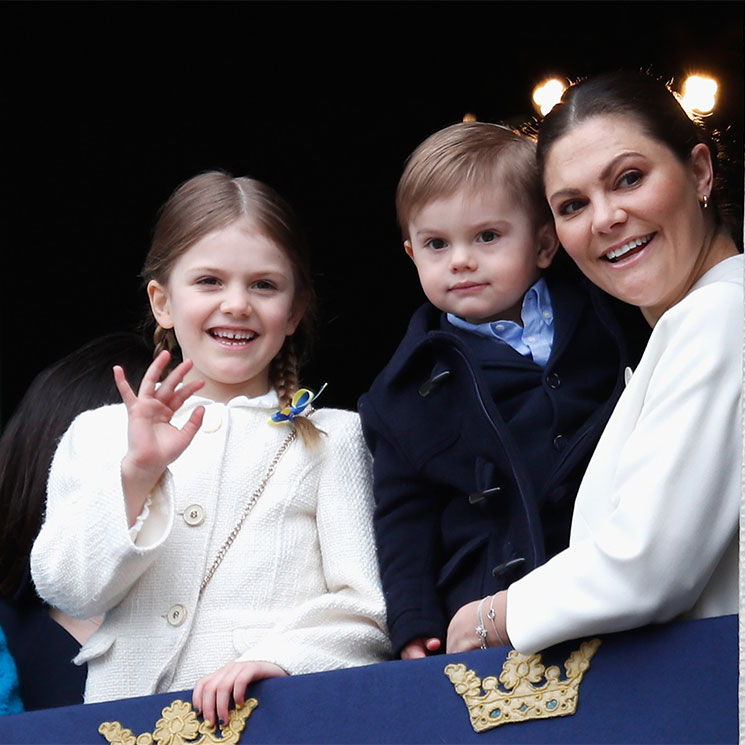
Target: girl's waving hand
x,y
153,441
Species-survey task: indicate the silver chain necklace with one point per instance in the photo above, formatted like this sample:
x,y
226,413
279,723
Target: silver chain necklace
x,y
249,506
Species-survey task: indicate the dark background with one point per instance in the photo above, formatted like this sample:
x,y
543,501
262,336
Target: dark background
x,y
106,107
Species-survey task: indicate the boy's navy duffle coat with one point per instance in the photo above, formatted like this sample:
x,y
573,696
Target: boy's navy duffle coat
x,y
479,451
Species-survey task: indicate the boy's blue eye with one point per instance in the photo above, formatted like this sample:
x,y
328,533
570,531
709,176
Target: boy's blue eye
x,y
487,236
436,243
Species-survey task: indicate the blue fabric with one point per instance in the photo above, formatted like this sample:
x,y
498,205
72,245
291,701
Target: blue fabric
x,y
674,683
534,338
42,650
10,700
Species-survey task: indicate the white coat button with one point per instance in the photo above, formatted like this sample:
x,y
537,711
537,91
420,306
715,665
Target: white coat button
x,y
176,615
194,515
212,419
628,373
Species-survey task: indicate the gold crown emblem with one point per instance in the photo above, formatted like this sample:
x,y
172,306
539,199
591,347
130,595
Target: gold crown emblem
x,y
531,690
179,725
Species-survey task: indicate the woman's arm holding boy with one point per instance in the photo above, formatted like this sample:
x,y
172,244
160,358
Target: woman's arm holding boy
x,y
650,558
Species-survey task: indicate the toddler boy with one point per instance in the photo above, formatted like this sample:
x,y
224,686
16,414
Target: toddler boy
x,y
482,423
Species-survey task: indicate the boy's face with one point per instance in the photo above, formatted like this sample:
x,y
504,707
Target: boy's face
x,y
478,252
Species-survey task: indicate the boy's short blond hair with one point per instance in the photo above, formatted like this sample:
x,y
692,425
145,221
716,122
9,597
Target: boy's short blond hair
x,y
471,156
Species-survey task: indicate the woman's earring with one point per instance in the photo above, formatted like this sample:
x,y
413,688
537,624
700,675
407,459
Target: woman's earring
x,y
704,202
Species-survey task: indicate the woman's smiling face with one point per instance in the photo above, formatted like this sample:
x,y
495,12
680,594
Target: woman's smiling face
x,y
627,210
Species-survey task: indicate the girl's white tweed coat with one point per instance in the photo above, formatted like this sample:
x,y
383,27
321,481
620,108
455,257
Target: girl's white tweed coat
x,y
299,586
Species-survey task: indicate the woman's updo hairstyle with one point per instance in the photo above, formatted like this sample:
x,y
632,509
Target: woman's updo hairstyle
x,y
213,201
651,103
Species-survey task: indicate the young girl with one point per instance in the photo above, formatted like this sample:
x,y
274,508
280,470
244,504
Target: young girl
x,y
211,535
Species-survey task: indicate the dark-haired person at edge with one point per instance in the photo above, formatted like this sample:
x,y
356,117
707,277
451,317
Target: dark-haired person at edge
x,y
42,640
632,183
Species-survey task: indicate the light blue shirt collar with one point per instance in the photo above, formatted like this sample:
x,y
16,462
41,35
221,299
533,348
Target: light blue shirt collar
x,y
534,338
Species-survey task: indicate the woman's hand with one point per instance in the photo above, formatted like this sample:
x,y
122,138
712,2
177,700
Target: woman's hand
x,y
212,693
418,648
462,635
153,442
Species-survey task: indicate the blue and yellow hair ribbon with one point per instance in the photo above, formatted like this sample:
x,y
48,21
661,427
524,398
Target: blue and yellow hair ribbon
x,y
300,401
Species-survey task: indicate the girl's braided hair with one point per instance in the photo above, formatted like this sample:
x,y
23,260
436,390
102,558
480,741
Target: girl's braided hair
x,y
213,201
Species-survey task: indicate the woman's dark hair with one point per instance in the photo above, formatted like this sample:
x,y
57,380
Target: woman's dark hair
x,y
80,381
654,106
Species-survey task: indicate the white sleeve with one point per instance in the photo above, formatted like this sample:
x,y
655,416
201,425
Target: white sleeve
x,y
671,484
85,559
345,626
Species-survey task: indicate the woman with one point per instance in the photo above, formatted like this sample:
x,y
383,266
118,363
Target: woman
x,y
630,181
42,640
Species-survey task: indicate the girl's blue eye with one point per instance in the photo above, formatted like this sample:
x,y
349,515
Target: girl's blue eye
x,y
264,284
207,281
436,244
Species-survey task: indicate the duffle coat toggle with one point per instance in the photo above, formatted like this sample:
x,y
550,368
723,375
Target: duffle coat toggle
x,y
502,570
436,379
480,496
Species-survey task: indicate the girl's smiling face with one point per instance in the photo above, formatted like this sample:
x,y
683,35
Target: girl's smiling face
x,y
231,301
627,210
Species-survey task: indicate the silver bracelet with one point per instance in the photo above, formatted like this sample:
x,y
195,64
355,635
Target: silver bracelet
x,y
481,629
491,615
